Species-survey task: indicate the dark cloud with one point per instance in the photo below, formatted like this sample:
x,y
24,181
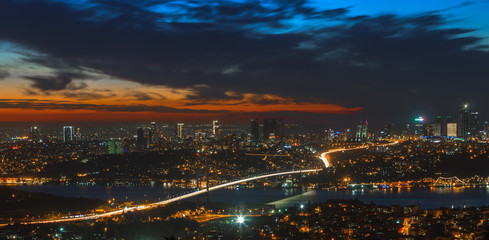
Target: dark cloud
x,y
35,104
204,92
375,62
85,95
59,82
266,100
4,74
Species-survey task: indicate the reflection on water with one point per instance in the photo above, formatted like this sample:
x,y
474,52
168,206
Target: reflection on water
x,y
426,198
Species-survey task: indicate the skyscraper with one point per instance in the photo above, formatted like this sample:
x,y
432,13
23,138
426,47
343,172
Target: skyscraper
x,y
149,138
68,132
179,130
451,127
419,128
155,133
140,138
362,131
273,127
463,122
440,125
255,130
214,127
34,133
267,128
474,128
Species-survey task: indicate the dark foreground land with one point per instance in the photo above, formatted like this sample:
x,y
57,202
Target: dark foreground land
x,y
17,205
334,219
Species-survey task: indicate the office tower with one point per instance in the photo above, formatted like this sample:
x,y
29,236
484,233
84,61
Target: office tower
x,y
440,125
278,128
68,133
34,133
179,130
451,127
463,122
77,134
149,138
419,128
485,132
267,126
428,129
474,129
140,138
432,129
348,134
273,128
214,127
155,133
437,129
362,131
255,130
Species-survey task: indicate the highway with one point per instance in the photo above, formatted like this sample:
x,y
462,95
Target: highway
x,y
161,203
327,163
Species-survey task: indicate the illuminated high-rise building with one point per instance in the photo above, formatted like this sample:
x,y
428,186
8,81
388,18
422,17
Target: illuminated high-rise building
x,y
474,129
451,127
273,128
179,130
215,126
34,133
463,122
362,131
440,125
255,130
419,128
68,133
432,129
149,138
485,130
155,133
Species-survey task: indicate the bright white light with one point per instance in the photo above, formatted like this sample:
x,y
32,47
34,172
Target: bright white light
x,y
302,206
325,159
240,219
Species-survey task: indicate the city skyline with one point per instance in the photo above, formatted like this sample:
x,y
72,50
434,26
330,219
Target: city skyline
x,y
303,61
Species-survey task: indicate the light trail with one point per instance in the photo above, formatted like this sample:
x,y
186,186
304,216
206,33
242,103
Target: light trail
x,y
323,157
327,163
156,204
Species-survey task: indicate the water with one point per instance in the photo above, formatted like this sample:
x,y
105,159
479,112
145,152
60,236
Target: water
x,y
424,197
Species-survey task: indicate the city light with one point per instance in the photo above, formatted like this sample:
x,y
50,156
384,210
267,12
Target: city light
x,y
240,220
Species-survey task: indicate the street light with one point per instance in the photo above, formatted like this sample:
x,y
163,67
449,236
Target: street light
x,y
240,219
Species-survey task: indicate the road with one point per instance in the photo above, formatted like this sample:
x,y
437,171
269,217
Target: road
x,y
161,203
327,163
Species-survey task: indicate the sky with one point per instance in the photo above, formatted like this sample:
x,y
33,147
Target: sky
x,y
327,62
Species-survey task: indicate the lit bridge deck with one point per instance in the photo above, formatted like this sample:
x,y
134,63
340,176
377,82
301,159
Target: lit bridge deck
x,y
164,202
